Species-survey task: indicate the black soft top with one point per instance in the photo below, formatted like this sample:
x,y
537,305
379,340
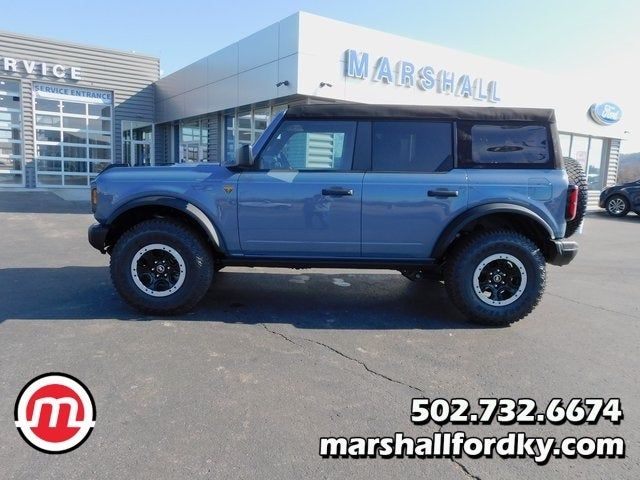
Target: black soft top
x,y
358,110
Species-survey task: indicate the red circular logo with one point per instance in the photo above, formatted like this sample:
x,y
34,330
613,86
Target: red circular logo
x,y
55,413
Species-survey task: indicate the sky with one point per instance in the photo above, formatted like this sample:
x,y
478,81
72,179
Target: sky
x,y
592,41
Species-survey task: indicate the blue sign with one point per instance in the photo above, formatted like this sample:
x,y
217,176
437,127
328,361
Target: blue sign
x,y
605,113
425,77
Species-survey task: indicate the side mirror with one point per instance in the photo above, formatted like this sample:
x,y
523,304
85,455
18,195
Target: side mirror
x,y
244,158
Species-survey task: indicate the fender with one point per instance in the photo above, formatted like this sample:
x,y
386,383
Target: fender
x,y
177,204
457,224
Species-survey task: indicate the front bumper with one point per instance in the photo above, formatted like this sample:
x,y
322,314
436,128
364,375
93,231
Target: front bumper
x,y
98,236
561,252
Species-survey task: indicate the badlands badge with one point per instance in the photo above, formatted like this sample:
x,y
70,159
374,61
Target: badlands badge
x,y
55,413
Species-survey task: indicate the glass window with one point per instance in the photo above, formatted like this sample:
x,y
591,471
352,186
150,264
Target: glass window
x,y
44,105
75,152
244,129
97,167
75,137
142,132
47,135
100,153
229,138
260,122
48,150
11,160
595,176
48,120
9,133
100,110
10,101
75,166
9,87
580,149
10,164
74,122
10,179
99,124
49,179
412,146
10,148
49,165
76,180
565,144
10,117
100,139
509,144
74,108
311,145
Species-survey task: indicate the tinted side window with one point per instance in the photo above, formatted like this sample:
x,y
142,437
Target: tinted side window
x,y
310,145
412,146
518,145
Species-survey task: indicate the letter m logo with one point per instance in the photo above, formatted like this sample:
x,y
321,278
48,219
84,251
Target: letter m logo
x,y
357,65
55,404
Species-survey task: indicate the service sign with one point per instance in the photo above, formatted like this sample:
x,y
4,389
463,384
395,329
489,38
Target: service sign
x,y
72,93
606,113
42,69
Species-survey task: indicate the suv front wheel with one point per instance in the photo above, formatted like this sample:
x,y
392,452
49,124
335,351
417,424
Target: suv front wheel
x,y
161,267
495,277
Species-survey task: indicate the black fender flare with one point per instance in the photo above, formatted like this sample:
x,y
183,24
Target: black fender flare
x,y
450,232
178,204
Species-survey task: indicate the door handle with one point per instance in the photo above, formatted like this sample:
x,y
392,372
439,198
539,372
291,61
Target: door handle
x,y
337,192
443,193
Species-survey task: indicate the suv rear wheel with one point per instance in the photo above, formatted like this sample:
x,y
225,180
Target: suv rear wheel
x,y
161,267
495,277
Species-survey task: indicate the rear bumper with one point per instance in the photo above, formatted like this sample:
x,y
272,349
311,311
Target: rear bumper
x,y
98,236
562,252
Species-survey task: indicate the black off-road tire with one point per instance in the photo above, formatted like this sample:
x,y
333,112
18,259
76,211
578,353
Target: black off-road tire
x,y
577,177
461,265
616,212
197,256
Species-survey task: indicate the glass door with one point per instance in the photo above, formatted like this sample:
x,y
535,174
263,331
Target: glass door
x,y
141,155
137,143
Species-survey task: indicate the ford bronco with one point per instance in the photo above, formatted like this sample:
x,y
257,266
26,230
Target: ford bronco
x,y
479,197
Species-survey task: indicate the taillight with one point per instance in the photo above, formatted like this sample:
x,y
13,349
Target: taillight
x,y
94,199
572,202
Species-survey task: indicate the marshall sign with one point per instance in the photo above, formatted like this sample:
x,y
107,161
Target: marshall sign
x,y
425,77
43,69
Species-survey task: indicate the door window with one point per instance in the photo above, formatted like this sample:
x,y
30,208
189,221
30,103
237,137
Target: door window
x,y
412,146
310,145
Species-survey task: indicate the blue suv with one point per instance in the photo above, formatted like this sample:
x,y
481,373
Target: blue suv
x,y
479,197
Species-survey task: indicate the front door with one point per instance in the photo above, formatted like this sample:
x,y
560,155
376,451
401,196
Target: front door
x,y
303,199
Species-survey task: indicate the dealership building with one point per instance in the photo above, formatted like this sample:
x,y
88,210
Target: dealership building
x,y
68,110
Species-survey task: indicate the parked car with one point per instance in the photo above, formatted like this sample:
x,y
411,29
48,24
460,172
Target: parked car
x,y
478,197
621,199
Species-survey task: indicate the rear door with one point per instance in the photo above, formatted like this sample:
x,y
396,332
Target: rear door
x,y
412,190
304,199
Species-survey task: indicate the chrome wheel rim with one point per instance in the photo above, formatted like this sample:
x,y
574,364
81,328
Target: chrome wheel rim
x,y
616,206
499,280
158,270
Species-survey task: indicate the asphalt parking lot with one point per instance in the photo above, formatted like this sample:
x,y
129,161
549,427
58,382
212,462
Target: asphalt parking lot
x,y
244,386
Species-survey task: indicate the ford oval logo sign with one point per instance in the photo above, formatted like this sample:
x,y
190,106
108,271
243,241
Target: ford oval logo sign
x,y
605,113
